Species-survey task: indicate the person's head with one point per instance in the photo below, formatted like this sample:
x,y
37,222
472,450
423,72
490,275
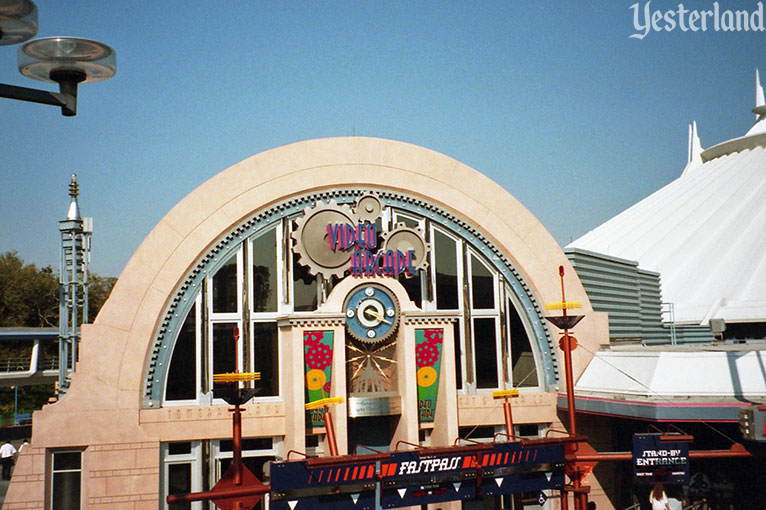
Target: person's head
x,y
591,505
658,491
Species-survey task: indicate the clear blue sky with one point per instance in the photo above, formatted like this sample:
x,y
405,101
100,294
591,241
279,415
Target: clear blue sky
x,y
552,100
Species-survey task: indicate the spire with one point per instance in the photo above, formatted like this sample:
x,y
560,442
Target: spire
x,y
74,208
759,101
694,154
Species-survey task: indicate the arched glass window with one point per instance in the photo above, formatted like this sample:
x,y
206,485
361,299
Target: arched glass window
x,y
232,321
232,325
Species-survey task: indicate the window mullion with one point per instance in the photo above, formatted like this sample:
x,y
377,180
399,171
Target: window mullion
x,y
463,283
206,346
505,351
247,301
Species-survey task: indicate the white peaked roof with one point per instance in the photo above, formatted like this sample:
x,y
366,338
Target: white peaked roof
x,y
705,232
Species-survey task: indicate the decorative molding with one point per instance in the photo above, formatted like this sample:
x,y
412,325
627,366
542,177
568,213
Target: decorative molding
x,y
429,318
315,321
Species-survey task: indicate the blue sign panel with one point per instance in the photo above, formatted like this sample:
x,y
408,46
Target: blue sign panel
x,y
656,461
297,485
512,468
418,478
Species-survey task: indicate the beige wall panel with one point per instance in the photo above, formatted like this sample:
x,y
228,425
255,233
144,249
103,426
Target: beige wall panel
x,y
108,345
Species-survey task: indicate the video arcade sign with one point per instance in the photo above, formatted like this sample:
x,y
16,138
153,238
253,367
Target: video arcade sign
x,y
333,239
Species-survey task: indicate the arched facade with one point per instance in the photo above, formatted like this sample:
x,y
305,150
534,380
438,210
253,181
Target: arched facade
x,y
250,272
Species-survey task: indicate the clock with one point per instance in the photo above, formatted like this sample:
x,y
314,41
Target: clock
x,y
372,313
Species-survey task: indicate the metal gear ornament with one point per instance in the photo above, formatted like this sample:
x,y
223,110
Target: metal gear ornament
x,y
368,207
404,239
372,313
311,244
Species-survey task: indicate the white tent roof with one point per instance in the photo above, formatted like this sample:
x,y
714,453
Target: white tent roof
x,y
705,232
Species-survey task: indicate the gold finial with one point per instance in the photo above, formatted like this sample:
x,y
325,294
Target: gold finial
x,y
74,188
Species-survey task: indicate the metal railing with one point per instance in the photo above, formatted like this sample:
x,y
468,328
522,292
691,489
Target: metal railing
x,y
15,364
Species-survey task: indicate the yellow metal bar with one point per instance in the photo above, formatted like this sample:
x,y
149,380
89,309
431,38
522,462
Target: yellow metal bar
x,y
237,377
505,393
566,305
324,402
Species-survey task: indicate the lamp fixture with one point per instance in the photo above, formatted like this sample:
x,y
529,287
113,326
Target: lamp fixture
x,y
67,61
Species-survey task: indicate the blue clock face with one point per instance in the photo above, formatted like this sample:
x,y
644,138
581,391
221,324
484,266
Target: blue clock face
x,y
372,313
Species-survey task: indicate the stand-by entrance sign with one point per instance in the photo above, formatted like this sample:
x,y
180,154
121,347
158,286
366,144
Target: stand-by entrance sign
x,y
656,459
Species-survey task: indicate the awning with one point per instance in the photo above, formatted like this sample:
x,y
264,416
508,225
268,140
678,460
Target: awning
x,y
672,384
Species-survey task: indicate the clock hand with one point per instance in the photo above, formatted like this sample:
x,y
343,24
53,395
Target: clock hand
x,y
376,315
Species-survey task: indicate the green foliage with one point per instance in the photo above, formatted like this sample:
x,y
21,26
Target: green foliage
x,y
29,296
99,288
30,398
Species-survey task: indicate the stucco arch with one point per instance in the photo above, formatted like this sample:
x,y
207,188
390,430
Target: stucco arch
x,y
115,348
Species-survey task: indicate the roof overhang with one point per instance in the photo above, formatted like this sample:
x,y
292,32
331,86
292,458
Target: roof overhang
x,y
672,385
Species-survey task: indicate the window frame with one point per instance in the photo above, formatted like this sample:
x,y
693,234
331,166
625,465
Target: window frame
x,y
51,486
193,458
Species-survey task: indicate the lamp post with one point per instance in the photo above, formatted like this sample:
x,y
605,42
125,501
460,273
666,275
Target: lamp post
x,y
67,61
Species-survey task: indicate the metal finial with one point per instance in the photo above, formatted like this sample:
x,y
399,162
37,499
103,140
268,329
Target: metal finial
x,y
74,188
74,207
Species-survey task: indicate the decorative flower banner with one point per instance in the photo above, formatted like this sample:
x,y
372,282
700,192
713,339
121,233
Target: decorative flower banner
x,y
317,355
428,354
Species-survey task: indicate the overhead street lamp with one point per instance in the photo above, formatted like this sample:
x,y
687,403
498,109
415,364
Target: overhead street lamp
x,y
67,61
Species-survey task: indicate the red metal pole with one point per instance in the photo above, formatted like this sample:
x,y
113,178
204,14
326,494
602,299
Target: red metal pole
x,y
570,383
237,444
580,499
508,418
330,432
237,492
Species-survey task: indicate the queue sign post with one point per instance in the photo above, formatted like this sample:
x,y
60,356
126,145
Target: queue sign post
x,y
567,343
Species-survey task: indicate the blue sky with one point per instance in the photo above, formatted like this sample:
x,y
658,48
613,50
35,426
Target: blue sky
x,y
553,100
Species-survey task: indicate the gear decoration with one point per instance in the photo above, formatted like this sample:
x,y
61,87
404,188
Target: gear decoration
x,y
312,337
426,354
318,356
368,207
372,313
311,244
404,238
434,336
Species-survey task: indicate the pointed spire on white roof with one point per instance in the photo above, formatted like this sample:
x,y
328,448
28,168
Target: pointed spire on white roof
x,y
760,108
694,153
759,100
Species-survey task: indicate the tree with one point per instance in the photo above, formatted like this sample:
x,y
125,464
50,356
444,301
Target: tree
x,y
29,297
99,288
